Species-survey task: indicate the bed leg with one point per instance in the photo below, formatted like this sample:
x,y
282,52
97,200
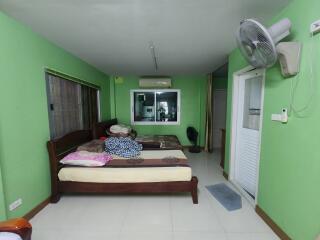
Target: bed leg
x,y
194,190
194,195
55,198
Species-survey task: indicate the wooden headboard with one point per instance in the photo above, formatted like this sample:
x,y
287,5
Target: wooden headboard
x,y
58,148
99,129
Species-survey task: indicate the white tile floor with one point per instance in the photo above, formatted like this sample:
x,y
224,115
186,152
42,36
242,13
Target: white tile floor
x,y
152,217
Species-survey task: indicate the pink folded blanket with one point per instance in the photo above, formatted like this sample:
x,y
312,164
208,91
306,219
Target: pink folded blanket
x,y
84,158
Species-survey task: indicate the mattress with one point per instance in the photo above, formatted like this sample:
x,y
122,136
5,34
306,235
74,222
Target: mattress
x,y
130,175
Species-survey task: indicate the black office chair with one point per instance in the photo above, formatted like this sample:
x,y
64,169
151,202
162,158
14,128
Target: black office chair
x,y
192,135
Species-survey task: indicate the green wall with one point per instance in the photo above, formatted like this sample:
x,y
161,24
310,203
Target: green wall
x,y
289,190
24,122
3,214
193,99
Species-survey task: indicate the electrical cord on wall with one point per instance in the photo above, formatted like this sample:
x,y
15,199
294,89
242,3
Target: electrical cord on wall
x,y
298,111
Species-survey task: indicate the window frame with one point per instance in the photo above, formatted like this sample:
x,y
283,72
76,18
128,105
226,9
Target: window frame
x,y
155,122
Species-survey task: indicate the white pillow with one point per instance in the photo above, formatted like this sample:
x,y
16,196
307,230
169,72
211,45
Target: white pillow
x,y
120,129
9,236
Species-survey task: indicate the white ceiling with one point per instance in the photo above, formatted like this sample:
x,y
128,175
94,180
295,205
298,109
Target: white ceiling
x,y
190,36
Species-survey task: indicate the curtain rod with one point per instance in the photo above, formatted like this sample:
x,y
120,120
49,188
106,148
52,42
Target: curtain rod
x,y
71,78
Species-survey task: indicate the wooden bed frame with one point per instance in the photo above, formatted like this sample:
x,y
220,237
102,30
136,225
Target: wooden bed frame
x,y
61,147
100,128
18,226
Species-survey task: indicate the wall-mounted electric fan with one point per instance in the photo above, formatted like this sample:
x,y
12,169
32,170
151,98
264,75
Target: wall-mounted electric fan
x,y
192,135
260,46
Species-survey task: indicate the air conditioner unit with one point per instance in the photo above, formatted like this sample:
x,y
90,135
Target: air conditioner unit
x,y
155,83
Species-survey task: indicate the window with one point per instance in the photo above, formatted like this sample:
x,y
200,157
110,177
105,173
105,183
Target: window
x,y
71,105
252,103
155,107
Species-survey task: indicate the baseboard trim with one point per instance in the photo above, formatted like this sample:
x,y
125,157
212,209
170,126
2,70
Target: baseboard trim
x,y
226,176
37,209
277,230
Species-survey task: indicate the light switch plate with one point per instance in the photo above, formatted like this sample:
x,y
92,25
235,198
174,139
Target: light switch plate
x,y
315,27
282,117
15,204
276,117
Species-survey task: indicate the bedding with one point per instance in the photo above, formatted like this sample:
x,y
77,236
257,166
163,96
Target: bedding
x,y
87,159
140,162
157,154
156,166
119,128
95,145
153,158
164,142
123,146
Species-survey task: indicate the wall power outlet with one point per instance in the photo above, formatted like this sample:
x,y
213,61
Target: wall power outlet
x,y
15,204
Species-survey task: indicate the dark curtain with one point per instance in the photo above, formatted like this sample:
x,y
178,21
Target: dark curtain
x,y
64,106
72,106
209,116
89,106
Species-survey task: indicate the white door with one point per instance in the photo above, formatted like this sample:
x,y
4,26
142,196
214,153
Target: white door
x,y
248,130
219,115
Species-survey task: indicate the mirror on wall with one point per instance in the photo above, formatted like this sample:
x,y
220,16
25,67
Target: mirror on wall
x,y
158,107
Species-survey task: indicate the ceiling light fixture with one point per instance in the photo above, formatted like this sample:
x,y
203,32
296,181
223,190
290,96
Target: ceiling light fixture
x,y
153,54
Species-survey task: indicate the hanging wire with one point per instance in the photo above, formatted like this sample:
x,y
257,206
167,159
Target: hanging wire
x,y
297,78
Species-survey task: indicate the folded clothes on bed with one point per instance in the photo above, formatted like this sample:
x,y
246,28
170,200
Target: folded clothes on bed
x,y
123,146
